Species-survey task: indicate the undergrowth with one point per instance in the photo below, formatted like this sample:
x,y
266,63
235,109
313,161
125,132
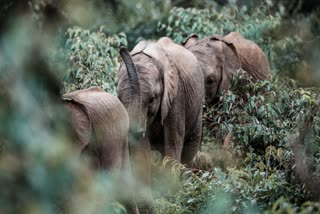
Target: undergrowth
x,y
257,123
90,58
256,172
259,24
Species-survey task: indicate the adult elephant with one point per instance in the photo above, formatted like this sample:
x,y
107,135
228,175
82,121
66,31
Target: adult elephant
x,y
161,85
101,124
221,56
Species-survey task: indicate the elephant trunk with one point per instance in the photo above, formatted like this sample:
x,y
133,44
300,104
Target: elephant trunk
x,y
137,118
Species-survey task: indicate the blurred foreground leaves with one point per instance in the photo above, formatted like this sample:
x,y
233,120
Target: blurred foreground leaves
x,y
38,167
39,170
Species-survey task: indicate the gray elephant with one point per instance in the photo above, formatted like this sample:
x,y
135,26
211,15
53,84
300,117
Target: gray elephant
x,y
99,116
161,85
101,124
221,56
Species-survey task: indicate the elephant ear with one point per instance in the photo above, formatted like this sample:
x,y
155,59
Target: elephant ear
x,y
229,41
233,37
161,52
142,45
230,62
252,58
191,40
226,39
154,50
170,75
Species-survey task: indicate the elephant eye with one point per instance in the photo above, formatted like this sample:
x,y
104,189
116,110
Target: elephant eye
x,y
151,100
210,81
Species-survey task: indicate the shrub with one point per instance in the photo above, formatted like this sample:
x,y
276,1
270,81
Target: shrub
x,y
261,116
255,174
257,24
40,168
91,59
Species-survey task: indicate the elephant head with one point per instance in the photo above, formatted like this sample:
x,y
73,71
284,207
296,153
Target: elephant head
x,y
221,56
218,59
150,86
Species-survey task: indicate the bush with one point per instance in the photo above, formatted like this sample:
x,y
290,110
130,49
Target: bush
x,y
257,24
256,173
264,119
261,116
91,59
40,168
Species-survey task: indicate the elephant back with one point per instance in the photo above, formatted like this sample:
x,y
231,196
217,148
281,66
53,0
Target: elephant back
x,y
108,120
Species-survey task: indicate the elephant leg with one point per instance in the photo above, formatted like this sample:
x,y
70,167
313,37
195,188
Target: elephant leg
x,y
192,144
190,149
155,136
173,145
140,157
173,141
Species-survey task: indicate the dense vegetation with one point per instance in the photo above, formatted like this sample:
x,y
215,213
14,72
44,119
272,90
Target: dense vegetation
x,y
271,128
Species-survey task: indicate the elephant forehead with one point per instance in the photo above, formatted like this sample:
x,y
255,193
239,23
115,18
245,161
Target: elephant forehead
x,y
148,72
149,75
207,50
210,71
145,66
207,58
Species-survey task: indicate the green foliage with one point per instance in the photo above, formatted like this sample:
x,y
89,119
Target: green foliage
x,y
92,59
251,24
36,171
39,170
283,206
256,24
40,167
266,110
261,117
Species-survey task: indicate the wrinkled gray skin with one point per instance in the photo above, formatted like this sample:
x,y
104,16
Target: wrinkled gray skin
x,y
221,56
163,96
170,99
101,124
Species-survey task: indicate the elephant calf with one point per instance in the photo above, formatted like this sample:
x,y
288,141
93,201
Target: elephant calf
x,y
101,124
161,85
221,56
